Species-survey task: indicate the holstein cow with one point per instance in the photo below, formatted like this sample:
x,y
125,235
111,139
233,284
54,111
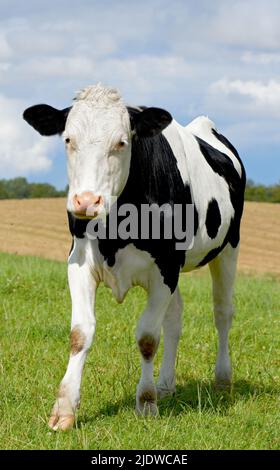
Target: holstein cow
x,y
143,156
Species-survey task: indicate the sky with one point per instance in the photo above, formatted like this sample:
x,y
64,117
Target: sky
x,y
217,58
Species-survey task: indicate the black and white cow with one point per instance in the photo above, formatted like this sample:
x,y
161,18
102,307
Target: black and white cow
x,y
143,156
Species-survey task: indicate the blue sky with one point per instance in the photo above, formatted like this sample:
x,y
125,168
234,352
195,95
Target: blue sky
x,y
217,58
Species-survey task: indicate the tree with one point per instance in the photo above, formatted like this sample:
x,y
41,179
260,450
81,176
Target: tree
x,y
19,188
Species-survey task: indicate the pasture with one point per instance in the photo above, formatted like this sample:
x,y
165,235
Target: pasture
x,y
35,317
35,324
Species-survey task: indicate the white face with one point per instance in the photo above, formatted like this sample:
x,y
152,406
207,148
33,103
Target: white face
x,y
97,135
98,144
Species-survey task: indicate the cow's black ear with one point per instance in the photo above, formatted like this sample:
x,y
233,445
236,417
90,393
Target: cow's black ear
x,y
45,119
150,122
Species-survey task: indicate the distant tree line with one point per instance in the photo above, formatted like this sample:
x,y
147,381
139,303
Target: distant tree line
x,y
261,193
19,188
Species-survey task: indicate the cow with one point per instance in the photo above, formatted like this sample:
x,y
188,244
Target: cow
x,y
142,156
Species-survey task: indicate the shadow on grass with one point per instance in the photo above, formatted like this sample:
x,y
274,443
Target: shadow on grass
x,y
202,396
195,395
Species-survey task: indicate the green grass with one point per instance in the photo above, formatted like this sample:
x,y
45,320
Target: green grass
x,y
34,329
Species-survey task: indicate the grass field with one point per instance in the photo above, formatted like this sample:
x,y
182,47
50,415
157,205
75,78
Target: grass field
x,y
34,328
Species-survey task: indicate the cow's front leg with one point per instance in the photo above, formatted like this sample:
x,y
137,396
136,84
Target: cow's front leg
x,y
148,337
82,289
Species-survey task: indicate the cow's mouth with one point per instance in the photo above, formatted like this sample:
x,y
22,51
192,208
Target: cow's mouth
x,y
85,216
89,213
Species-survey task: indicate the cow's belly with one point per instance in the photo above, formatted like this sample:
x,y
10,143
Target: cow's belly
x,y
194,258
202,246
135,267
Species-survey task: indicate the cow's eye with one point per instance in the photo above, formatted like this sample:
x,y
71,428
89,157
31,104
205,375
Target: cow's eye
x,y
67,140
122,143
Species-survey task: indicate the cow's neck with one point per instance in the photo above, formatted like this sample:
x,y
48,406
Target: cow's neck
x,y
154,177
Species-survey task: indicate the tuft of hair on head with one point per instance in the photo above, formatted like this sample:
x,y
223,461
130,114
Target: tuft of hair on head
x,y
100,95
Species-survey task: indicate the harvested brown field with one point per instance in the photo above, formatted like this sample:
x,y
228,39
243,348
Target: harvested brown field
x,y
39,227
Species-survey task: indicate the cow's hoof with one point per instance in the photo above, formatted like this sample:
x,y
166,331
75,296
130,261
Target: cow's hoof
x,y
146,402
163,392
223,384
147,409
63,423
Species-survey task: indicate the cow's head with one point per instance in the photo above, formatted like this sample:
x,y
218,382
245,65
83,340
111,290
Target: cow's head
x,y
98,131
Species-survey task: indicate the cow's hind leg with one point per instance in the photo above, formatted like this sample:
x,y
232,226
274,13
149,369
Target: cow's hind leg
x,y
223,269
148,336
172,327
82,289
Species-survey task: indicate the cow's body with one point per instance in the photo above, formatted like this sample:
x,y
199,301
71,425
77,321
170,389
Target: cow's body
x,y
181,165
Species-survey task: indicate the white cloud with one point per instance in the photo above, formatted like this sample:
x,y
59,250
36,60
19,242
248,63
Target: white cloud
x,y
21,151
146,74
265,96
247,134
4,66
56,67
260,58
5,49
145,77
249,23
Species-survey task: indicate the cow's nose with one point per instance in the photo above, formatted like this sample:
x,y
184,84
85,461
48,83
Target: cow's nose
x,y
87,203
